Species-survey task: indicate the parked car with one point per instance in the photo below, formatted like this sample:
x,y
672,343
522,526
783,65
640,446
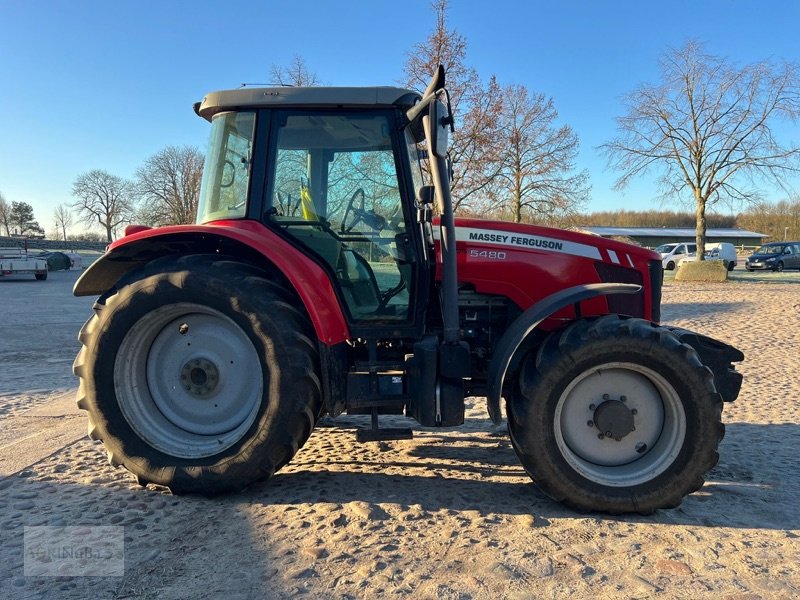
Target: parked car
x,y
671,254
723,251
775,256
56,261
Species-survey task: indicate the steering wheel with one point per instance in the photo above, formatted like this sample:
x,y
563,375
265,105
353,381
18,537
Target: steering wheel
x,y
360,214
226,180
358,211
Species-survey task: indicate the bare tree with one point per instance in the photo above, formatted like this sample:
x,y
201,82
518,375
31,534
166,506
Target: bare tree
x,y
444,47
103,199
538,160
780,220
87,236
169,186
295,74
62,218
5,213
707,128
474,145
654,218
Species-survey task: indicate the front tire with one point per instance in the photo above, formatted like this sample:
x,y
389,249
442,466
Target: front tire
x,y
616,415
199,374
778,268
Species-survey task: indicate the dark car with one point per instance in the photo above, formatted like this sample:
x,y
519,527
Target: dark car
x,y
56,261
775,256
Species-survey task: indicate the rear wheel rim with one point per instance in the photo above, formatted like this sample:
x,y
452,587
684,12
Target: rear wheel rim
x,y
640,455
188,380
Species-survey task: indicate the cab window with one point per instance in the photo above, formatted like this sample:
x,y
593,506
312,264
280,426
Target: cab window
x,y
226,173
335,191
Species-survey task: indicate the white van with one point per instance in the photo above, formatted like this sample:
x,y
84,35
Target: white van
x,y
671,254
722,251
718,251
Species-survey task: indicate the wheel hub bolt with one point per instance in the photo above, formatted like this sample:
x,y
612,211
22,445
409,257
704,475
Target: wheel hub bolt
x,y
590,423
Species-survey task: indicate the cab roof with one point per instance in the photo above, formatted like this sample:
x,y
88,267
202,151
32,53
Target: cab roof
x,y
308,97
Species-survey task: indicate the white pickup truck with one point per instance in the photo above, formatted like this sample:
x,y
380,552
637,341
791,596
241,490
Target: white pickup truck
x,y
15,261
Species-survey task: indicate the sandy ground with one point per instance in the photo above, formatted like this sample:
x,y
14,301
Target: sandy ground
x,y
449,514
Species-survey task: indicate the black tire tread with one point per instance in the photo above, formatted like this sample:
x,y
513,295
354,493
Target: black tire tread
x,y
295,422
564,348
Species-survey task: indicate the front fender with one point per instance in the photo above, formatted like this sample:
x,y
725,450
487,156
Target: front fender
x,y
515,335
717,356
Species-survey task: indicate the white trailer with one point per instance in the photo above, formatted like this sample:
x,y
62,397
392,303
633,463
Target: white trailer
x,y
15,261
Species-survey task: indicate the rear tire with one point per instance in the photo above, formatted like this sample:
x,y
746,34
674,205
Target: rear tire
x,y
40,276
199,374
573,387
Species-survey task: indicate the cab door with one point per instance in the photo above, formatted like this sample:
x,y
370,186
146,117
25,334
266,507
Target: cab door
x,y
337,191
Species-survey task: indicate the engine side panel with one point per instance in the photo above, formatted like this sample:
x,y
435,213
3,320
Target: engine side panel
x,y
526,263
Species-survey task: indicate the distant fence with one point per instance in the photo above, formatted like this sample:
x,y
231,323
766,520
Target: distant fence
x,y
36,244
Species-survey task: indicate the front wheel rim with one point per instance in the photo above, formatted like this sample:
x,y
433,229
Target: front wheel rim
x,y
643,452
188,380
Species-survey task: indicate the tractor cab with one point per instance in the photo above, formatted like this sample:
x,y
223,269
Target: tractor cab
x,y
336,177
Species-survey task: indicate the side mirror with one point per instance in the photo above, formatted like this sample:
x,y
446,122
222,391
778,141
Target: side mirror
x,y
439,123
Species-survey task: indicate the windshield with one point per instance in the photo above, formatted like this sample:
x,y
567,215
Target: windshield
x,y
770,250
226,174
666,248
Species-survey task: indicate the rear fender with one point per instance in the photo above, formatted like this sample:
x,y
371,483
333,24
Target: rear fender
x,y
515,336
248,241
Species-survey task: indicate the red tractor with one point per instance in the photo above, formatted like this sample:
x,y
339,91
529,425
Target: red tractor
x,y
326,275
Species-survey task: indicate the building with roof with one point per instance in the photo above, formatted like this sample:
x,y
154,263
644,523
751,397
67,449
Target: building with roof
x,y
655,236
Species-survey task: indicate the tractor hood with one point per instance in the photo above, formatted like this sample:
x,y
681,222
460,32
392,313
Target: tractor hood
x,y
519,236
528,262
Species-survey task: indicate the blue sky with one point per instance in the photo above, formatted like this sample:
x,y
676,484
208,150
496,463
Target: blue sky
x,y
103,85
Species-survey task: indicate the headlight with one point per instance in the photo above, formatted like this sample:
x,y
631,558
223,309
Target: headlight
x,y
771,259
